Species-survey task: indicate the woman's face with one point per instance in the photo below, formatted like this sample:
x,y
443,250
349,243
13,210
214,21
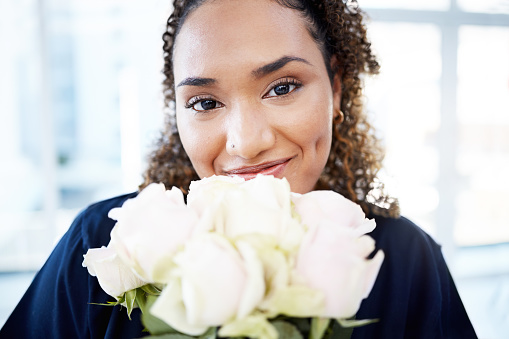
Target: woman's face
x,y
252,93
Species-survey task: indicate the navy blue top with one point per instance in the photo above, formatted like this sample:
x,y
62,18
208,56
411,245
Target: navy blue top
x,y
414,295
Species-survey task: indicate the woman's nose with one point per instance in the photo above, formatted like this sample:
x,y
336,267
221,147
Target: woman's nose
x,y
249,133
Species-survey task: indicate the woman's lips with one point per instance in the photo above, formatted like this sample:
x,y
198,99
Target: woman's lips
x,y
274,168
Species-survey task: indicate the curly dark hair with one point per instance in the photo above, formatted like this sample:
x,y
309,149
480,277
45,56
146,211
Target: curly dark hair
x,y
356,155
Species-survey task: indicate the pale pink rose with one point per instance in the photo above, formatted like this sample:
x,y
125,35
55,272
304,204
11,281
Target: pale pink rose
x,y
217,283
150,229
316,206
114,277
332,259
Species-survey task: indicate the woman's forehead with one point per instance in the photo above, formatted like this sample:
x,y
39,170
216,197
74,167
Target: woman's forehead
x,y
255,32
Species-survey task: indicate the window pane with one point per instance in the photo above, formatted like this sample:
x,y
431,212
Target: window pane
x,y
100,88
405,101
23,226
485,6
439,5
483,114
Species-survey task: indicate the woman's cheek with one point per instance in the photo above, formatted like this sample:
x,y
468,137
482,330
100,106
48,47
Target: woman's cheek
x,y
190,138
202,143
312,125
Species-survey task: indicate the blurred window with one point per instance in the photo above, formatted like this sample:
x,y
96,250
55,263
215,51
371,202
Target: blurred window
x,y
404,101
81,105
483,135
441,106
439,5
441,103
485,6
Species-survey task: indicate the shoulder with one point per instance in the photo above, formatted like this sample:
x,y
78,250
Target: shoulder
x,y
59,302
90,229
414,295
403,236
411,255
93,225
398,227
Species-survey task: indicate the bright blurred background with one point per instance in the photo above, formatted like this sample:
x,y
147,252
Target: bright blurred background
x,y
81,105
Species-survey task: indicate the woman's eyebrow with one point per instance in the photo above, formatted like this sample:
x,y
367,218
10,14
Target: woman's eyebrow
x,y
192,81
257,73
274,66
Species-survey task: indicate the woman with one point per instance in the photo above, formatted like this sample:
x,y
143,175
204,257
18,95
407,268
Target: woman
x,y
272,87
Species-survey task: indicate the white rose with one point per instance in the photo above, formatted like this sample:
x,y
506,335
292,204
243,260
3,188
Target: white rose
x,y
205,198
114,277
332,259
258,206
150,229
217,284
316,206
207,190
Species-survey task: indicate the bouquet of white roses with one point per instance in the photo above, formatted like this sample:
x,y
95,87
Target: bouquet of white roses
x,y
240,259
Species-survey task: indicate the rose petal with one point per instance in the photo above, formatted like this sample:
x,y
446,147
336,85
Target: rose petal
x,y
170,308
114,277
254,288
149,230
333,260
315,206
213,280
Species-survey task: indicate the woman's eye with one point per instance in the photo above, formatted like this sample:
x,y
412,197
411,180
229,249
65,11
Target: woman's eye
x,y
281,89
205,105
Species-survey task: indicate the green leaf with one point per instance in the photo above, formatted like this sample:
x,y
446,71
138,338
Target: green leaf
x,y
318,327
151,289
169,336
109,303
343,328
351,323
339,332
210,334
121,299
141,300
302,324
153,324
287,330
130,298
